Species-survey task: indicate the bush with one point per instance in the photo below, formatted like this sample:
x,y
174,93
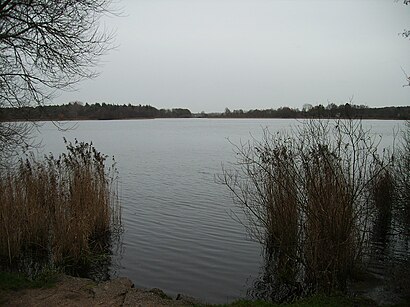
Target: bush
x,y
308,198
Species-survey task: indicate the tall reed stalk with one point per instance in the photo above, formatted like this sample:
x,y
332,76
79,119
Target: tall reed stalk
x,y
330,229
282,213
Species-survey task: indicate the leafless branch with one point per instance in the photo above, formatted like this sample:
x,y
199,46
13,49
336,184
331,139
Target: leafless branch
x,y
47,46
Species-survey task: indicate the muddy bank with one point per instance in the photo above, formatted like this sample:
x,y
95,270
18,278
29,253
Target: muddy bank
x,y
74,291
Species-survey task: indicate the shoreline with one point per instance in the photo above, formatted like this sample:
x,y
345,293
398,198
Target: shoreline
x,y
120,291
76,291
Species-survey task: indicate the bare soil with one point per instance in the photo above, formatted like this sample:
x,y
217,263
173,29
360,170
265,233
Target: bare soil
x,y
73,291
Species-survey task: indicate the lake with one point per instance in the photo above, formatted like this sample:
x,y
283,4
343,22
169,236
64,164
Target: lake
x,y
180,230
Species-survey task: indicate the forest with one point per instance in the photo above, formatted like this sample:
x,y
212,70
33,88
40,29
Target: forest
x,y
104,111
332,110
79,111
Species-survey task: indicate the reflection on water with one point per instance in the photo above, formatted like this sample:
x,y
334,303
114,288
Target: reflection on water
x,y
98,265
387,278
389,257
101,265
275,285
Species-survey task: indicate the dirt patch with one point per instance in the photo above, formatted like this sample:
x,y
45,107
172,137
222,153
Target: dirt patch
x,y
73,291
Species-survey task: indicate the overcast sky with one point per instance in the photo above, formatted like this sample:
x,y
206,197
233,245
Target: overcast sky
x,y
207,55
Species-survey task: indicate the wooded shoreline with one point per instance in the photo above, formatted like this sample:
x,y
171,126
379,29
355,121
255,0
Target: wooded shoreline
x,y
79,111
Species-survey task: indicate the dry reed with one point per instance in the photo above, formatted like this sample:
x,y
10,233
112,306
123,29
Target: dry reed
x,y
308,198
282,213
330,240
64,208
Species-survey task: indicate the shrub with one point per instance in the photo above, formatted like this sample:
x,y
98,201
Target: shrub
x,y
308,198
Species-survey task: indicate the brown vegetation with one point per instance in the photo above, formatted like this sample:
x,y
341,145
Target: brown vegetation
x,y
62,208
308,197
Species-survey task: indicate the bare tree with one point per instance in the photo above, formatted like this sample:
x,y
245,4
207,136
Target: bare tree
x,y
406,34
12,136
407,77
46,46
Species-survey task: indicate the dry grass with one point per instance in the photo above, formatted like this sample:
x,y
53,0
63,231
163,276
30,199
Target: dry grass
x,y
64,208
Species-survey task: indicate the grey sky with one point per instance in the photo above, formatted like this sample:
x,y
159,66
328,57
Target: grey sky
x,y
247,54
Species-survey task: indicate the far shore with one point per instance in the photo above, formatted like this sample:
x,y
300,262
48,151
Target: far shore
x,y
77,111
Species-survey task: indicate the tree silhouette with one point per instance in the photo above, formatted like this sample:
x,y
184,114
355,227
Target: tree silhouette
x,y
46,46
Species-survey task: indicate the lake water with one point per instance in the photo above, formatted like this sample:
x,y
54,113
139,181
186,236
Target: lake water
x,y
179,230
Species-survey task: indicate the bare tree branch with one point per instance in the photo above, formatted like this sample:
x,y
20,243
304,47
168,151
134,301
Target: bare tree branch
x,y
46,46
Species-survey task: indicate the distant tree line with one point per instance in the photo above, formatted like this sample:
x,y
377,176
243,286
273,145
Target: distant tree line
x,y
79,111
319,111
103,111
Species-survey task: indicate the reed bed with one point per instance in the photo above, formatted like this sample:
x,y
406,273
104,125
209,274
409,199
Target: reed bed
x,y
62,209
309,198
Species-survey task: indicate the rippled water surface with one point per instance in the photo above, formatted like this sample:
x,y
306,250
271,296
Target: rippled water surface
x,y
180,234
